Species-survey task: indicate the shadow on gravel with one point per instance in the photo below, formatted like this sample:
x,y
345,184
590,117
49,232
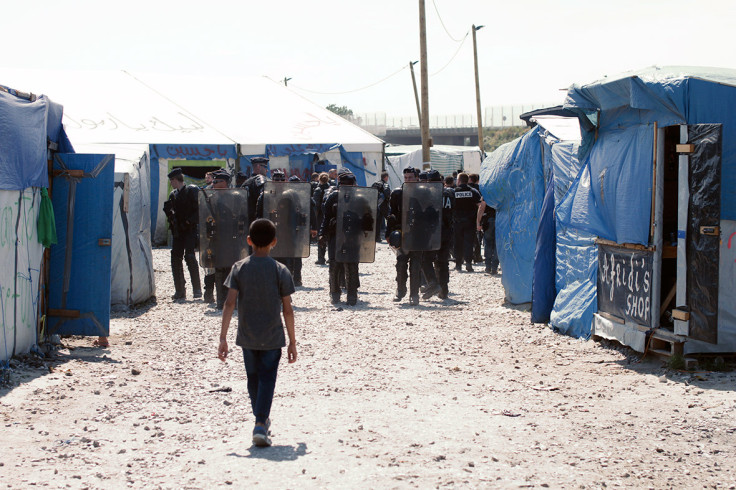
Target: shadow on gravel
x,y
275,453
27,367
122,311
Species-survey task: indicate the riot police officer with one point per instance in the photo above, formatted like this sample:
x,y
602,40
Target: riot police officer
x,y
328,232
320,193
254,184
408,264
182,212
441,257
467,201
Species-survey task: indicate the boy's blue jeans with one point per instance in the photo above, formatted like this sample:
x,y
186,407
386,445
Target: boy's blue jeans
x,y
261,367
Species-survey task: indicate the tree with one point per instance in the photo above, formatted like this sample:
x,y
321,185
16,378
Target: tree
x,y
493,138
340,110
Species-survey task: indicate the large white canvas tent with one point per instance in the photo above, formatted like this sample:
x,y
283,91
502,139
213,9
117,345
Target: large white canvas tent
x,y
202,122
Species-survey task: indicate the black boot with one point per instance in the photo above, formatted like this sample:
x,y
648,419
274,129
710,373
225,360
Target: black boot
x,y
220,288
193,267
401,277
209,288
179,282
352,282
335,290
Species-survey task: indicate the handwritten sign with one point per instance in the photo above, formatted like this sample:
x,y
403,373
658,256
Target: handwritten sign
x,y
625,283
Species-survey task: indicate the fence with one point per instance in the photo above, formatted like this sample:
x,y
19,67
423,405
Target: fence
x,y
493,116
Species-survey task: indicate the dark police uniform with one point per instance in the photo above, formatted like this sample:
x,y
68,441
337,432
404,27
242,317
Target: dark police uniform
x,y
384,197
465,212
442,260
182,211
327,232
319,197
254,184
408,264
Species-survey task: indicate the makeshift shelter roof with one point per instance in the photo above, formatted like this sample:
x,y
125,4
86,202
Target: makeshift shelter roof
x,y
118,107
256,111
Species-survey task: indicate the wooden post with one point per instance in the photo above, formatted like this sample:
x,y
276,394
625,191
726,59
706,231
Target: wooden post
x,y
477,90
654,185
425,82
416,93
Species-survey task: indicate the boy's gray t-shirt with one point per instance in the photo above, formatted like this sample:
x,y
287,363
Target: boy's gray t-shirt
x,y
261,283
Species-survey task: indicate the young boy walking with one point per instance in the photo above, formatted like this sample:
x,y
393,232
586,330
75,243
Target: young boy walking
x,y
262,288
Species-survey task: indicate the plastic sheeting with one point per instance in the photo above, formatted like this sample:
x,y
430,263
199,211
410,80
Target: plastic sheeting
x,y
23,160
703,211
726,296
511,181
668,95
543,285
619,164
576,255
20,260
132,277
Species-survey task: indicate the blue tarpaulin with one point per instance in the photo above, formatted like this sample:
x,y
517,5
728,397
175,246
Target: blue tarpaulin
x,y
511,181
620,163
576,255
23,161
543,286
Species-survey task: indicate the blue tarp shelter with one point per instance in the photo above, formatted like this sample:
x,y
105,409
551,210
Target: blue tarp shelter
x,y
28,124
605,187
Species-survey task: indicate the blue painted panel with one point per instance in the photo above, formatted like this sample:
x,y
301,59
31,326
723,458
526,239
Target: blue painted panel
x,y
89,284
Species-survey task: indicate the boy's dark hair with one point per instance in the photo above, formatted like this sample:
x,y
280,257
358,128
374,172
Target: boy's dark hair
x,y
474,178
262,232
384,174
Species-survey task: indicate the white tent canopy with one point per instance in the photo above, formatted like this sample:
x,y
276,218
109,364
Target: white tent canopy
x,y
121,107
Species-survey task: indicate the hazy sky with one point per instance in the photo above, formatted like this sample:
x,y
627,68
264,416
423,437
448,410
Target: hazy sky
x,y
333,49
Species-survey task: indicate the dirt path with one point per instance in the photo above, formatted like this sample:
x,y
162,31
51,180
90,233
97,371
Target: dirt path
x,y
462,393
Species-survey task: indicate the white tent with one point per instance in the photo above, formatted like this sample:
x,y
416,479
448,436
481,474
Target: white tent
x,y
444,158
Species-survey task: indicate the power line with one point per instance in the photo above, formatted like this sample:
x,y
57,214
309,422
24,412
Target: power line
x,y
453,56
354,90
443,25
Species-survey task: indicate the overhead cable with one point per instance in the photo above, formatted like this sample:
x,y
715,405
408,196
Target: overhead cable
x,y
443,24
354,90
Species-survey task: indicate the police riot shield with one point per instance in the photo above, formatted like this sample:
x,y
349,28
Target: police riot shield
x,y
355,238
421,216
288,205
223,227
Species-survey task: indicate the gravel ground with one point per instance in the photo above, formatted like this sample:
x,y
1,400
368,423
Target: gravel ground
x,y
464,392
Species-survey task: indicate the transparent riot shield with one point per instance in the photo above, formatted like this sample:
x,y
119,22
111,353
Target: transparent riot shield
x,y
223,227
355,237
421,216
288,205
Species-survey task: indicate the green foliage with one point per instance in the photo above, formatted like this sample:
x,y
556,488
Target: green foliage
x,y
493,138
676,362
340,110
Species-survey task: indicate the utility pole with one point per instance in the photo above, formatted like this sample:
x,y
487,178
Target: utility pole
x,y
416,93
426,141
477,91
287,79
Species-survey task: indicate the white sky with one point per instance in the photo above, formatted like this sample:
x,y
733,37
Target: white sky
x,y
528,49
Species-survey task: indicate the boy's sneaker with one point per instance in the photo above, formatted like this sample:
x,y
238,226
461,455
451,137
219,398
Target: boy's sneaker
x,y
260,436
